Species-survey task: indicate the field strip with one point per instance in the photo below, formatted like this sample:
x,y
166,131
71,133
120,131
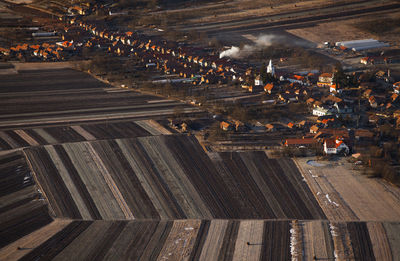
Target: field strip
x,y
215,238
148,184
393,235
342,241
380,242
181,187
37,183
41,93
93,117
317,240
103,109
153,127
333,205
364,196
31,141
41,65
8,139
160,101
46,136
92,239
68,182
249,232
99,191
83,133
180,241
110,182
268,194
32,240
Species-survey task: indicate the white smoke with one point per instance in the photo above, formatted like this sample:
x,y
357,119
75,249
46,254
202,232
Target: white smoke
x,y
262,41
266,40
233,52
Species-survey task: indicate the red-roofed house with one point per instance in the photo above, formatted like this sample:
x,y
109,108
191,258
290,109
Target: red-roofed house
x,y
396,87
325,80
225,126
335,146
269,88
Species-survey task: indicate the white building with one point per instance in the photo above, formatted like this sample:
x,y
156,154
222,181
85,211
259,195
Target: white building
x,y
321,111
271,68
335,146
258,81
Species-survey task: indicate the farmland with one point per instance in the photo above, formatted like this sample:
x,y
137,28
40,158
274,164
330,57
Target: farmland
x,y
21,209
344,194
167,177
18,138
82,161
48,97
208,240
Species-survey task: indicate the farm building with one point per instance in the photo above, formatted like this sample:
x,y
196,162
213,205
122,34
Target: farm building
x,y
361,45
300,143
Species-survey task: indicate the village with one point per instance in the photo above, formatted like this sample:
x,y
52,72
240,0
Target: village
x,y
199,130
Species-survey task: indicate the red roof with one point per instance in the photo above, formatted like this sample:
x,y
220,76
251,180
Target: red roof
x,y
326,75
330,143
268,87
306,141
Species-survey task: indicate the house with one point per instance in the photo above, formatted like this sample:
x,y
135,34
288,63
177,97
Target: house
x,y
372,102
287,97
367,93
322,111
258,81
310,101
296,79
270,127
226,126
301,124
342,108
364,60
396,87
394,97
314,129
334,88
269,88
325,80
333,146
240,127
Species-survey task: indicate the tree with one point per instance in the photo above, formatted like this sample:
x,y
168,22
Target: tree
x,y
263,73
339,77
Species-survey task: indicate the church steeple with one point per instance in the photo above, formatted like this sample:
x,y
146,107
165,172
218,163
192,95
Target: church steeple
x,y
270,68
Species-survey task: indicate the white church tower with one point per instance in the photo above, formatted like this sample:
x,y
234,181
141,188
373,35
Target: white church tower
x,y
271,68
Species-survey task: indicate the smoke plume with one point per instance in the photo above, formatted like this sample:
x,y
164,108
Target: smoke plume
x,y
246,50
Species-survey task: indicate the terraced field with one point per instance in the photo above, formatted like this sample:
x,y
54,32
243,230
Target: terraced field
x,y
167,177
